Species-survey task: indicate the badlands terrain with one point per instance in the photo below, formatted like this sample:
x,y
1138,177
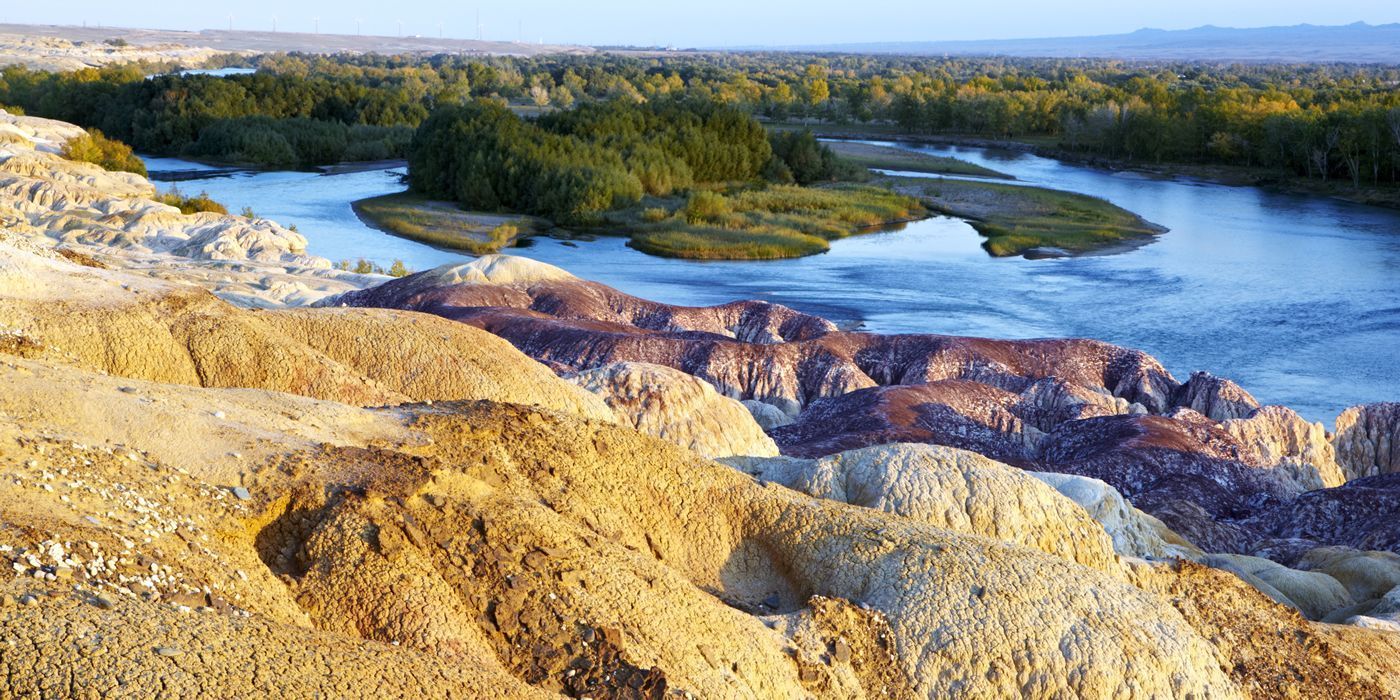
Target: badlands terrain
x,y
227,469
66,48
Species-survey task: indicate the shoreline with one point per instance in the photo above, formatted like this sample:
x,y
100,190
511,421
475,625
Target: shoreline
x,y
1225,175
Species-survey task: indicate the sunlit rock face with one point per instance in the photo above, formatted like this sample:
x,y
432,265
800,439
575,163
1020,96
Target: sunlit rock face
x,y
678,408
112,215
1202,456
1368,440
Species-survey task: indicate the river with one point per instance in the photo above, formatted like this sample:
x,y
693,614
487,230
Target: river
x,y
1297,298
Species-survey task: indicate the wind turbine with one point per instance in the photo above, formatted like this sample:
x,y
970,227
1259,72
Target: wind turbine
x,y
358,22
230,22
274,24
316,22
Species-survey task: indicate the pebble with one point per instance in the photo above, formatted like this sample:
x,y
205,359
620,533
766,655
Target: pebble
x,y
168,651
841,651
219,415
28,599
103,603
241,493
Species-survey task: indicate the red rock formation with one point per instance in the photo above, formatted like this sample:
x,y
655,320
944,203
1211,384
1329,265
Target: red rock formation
x,y
1202,456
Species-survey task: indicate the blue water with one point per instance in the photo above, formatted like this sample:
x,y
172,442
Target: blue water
x,y
1295,297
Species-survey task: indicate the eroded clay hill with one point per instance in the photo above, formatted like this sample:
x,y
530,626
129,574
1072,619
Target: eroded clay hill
x,y
1201,455
198,498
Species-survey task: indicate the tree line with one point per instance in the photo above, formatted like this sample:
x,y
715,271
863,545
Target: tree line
x,y
1322,121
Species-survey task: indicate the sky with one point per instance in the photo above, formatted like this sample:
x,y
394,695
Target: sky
x,y
708,23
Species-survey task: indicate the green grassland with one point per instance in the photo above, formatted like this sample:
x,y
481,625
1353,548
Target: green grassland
x,y
444,224
778,221
1021,220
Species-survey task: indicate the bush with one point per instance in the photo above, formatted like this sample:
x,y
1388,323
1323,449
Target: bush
x,y
93,147
704,206
191,205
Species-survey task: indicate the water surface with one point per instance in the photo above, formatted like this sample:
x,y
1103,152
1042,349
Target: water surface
x,y
1295,297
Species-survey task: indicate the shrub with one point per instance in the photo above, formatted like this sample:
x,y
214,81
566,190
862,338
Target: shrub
x,y
190,205
705,206
93,147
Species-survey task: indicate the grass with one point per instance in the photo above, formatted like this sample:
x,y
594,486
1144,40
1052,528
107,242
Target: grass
x,y
889,158
1018,220
778,221
738,222
443,224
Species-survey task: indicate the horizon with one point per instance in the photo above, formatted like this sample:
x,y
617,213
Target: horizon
x,y
773,24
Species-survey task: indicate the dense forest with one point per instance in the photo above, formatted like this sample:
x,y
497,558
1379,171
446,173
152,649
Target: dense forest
x,y
571,165
1321,121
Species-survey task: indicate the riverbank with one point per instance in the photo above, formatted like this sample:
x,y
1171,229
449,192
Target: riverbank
x,y
1047,147
875,157
444,224
769,223
1034,222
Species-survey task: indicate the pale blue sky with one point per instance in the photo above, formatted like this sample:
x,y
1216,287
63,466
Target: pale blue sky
x,y
712,22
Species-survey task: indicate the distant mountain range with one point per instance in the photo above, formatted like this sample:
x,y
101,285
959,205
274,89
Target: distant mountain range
x,y
1303,43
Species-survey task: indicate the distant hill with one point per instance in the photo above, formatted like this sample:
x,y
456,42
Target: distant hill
x,y
1303,43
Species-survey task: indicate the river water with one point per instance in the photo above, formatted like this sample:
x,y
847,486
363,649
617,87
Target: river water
x,y
1297,298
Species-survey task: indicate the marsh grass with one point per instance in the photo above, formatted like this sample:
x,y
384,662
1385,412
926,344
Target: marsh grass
x,y
1016,219
778,221
889,158
443,224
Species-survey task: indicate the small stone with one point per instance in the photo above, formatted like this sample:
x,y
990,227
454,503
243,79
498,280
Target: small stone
x,y
28,599
241,493
219,415
127,389
772,601
841,651
103,603
168,651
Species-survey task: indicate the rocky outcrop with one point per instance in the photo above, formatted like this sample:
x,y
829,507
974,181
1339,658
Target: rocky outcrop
x,y
1312,593
1363,514
1214,397
349,501
1155,459
953,412
53,53
1133,532
111,214
751,350
1278,438
767,416
676,407
1368,440
131,326
952,489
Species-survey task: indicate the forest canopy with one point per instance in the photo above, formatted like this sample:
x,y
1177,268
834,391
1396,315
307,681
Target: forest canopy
x,y
575,164
1320,121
